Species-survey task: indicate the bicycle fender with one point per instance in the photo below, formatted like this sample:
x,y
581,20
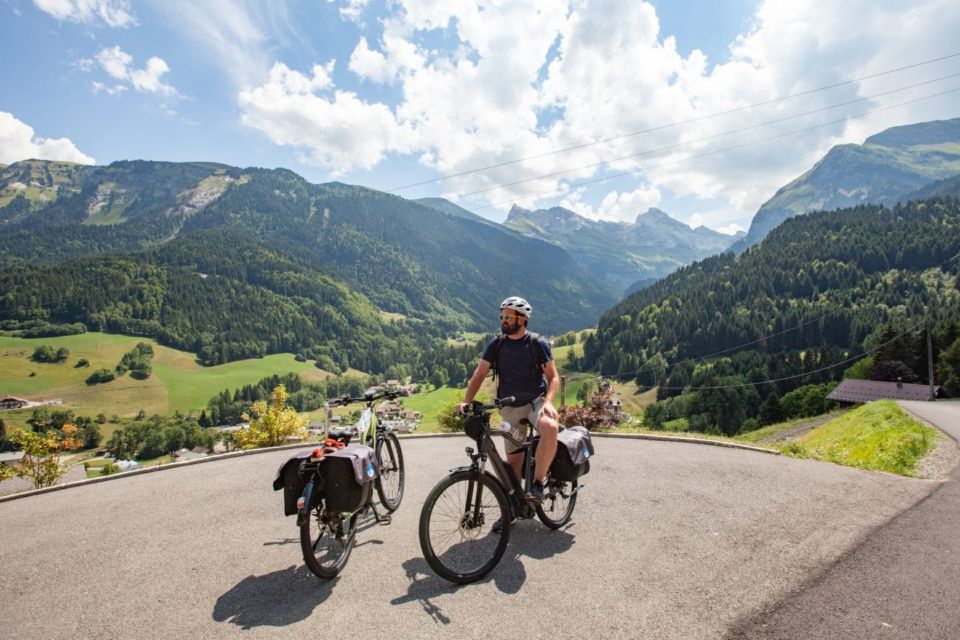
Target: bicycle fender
x,y
304,513
459,469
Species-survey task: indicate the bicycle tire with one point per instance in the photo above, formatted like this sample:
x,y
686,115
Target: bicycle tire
x,y
459,546
337,543
390,482
559,499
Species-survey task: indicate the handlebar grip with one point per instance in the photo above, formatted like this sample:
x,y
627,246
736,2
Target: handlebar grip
x,y
509,401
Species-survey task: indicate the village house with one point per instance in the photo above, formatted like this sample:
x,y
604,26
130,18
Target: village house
x,y
11,457
852,391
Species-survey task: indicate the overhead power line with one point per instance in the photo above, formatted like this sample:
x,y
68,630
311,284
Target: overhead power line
x,y
706,138
606,178
675,124
676,363
805,373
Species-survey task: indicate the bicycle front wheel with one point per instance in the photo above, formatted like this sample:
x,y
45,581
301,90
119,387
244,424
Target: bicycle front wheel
x,y
559,498
326,539
456,533
390,483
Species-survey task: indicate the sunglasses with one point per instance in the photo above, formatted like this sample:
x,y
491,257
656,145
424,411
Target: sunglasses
x,y
510,316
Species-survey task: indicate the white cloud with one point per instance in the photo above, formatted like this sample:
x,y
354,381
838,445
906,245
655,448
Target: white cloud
x,y
339,131
119,65
522,79
352,10
19,142
731,229
113,13
243,36
110,90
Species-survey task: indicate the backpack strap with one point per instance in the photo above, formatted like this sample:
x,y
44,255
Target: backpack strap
x,y
536,350
496,354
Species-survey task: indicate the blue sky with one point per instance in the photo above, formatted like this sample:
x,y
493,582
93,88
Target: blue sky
x,y
607,108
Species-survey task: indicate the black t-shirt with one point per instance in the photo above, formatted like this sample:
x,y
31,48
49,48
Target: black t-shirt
x,y
517,371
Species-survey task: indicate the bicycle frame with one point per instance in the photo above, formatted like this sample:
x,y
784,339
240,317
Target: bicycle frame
x,y
369,433
514,487
369,430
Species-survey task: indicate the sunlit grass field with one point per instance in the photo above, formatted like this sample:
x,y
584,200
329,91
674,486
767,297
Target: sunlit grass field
x,y
178,383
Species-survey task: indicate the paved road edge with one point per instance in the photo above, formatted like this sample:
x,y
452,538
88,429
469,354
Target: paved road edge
x,y
306,445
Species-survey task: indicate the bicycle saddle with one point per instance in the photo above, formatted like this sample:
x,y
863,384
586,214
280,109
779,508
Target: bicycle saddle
x,y
341,435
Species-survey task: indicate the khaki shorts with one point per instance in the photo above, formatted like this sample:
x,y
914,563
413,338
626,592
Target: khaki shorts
x,y
513,415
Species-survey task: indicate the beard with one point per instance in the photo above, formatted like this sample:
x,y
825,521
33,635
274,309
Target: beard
x,y
506,328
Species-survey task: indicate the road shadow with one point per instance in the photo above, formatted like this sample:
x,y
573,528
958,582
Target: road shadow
x,y
527,540
273,543
273,600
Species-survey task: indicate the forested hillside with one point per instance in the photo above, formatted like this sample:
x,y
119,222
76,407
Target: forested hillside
x,y
820,289
233,263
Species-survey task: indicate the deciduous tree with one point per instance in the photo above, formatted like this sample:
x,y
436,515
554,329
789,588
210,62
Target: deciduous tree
x,y
41,455
272,424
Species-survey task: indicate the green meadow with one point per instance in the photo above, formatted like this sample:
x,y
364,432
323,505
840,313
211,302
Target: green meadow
x,y
178,383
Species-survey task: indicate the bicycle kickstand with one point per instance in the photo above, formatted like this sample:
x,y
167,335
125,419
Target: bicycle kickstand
x,y
382,520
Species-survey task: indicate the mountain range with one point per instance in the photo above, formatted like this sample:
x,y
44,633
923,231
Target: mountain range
x,y
405,258
888,167
230,262
623,255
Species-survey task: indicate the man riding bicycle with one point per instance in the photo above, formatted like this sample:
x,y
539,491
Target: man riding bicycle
x,y
524,367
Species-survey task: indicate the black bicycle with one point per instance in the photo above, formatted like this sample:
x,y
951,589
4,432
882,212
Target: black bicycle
x,y
457,533
330,498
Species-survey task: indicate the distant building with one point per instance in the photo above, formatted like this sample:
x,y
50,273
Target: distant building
x,y
186,454
11,457
852,391
9,402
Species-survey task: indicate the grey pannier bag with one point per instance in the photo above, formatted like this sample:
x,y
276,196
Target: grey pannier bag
x,y
348,476
574,449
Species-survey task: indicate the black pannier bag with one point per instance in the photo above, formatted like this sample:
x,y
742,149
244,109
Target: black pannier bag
x,y
289,479
348,476
574,449
473,425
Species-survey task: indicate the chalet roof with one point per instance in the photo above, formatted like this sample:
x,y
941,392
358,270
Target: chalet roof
x,y
14,398
851,390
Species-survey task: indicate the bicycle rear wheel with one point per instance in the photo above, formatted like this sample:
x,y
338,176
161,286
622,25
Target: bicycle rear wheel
x,y
326,539
559,499
390,483
457,537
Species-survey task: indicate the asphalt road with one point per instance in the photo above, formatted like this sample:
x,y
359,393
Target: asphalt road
x,y
668,540
902,582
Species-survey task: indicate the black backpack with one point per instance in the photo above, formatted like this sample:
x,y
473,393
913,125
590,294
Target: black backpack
x,y
536,350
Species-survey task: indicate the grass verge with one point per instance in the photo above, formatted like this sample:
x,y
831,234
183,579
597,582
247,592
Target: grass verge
x,y
878,436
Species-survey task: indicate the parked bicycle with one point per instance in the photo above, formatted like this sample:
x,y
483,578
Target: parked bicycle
x,y
330,487
457,533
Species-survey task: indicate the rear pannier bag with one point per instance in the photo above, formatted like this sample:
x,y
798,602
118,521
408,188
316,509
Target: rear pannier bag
x,y
289,479
348,476
574,449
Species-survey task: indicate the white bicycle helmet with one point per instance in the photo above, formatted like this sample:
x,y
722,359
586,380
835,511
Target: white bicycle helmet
x,y
518,304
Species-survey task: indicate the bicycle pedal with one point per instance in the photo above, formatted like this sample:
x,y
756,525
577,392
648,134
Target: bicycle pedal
x,y
384,520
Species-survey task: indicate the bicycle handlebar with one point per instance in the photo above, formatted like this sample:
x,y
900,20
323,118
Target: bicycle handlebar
x,y
499,403
372,397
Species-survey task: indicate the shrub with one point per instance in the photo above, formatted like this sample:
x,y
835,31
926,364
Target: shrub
x,y
109,469
48,353
100,376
